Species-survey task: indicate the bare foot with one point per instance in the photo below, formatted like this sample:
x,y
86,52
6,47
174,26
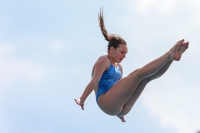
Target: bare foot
x,y
182,49
178,49
122,119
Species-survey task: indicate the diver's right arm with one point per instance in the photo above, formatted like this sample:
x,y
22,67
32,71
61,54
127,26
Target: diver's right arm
x,y
100,66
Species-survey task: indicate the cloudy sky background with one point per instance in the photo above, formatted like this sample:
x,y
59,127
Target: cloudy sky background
x,y
48,48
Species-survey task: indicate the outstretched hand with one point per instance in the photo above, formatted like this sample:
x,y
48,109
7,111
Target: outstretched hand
x,y
80,102
122,119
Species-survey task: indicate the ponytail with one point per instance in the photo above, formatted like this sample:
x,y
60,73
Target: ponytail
x,y
102,26
113,39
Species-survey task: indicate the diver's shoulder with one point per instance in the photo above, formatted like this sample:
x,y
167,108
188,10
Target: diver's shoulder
x,y
103,58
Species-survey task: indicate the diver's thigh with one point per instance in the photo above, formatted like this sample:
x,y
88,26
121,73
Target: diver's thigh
x,y
115,98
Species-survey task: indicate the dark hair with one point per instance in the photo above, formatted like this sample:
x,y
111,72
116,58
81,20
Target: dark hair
x,y
113,39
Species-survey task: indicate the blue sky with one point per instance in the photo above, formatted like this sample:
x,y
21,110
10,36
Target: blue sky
x,y
48,48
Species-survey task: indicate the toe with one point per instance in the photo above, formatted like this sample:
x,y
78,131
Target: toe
x,y
181,41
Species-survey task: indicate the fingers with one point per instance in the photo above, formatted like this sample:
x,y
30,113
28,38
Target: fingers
x,y
78,102
82,107
122,119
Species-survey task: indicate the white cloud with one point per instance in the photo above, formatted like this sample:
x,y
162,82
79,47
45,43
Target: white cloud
x,y
12,68
163,6
174,102
168,6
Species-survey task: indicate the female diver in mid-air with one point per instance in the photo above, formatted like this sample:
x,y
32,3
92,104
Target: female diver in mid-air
x,y
116,95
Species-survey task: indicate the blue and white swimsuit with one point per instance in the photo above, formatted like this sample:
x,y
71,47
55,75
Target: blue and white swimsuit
x,y
108,79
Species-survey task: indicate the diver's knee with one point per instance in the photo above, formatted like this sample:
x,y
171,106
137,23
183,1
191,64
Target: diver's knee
x,y
134,72
137,73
